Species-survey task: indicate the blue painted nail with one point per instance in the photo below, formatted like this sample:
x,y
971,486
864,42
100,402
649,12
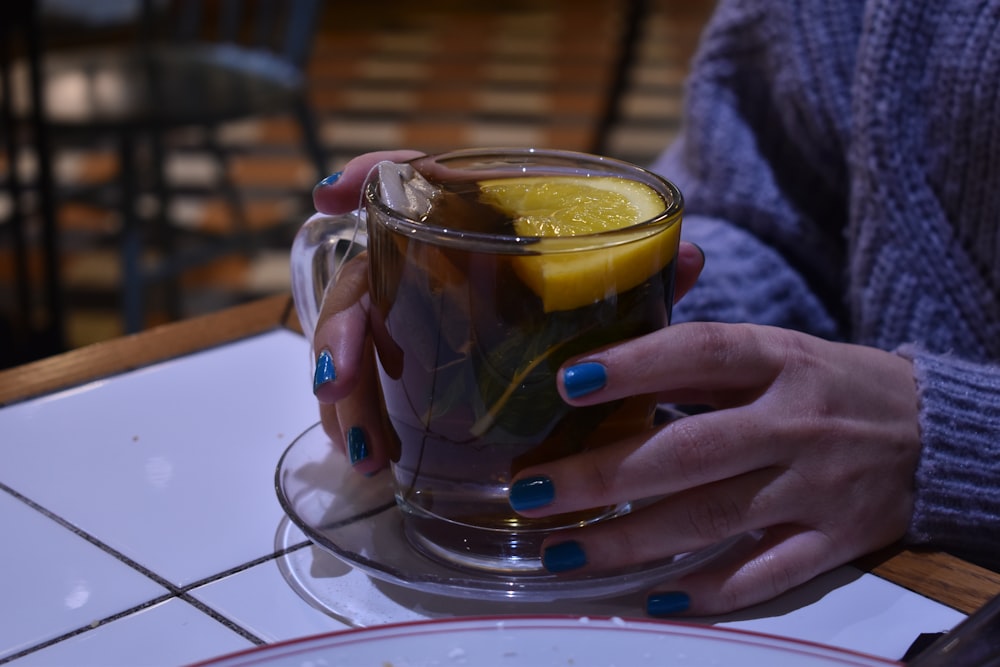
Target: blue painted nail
x,y
531,492
325,372
563,557
667,604
357,445
584,378
331,179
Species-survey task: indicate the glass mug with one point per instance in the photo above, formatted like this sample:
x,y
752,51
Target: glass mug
x,y
471,322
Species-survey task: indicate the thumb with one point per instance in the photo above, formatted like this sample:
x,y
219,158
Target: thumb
x,y
340,192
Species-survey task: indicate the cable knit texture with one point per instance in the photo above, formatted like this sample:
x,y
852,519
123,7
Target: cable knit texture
x,y
840,162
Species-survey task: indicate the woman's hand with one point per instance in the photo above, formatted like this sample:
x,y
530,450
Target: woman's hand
x,y
344,381
812,442
345,384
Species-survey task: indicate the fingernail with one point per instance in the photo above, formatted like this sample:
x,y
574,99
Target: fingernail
x,y
357,445
584,378
667,604
331,179
531,492
325,372
563,557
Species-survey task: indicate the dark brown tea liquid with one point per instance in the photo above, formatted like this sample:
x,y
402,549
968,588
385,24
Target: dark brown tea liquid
x,y
467,362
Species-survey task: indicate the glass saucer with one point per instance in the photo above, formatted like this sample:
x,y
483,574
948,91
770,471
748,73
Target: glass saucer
x,y
356,519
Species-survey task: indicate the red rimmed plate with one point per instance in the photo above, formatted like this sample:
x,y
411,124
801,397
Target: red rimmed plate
x,y
546,641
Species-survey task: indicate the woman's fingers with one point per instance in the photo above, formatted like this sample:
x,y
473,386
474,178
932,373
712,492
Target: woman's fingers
x,y
690,262
344,382
688,521
692,362
340,192
684,454
366,439
341,332
331,425
344,379
813,445
355,426
785,556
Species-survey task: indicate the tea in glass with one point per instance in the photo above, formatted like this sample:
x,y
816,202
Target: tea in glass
x,y
510,263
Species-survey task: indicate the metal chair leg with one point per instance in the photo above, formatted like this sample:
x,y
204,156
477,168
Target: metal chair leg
x,y
310,137
132,278
627,48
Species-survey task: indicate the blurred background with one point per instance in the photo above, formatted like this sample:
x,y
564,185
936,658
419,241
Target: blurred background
x,y
159,155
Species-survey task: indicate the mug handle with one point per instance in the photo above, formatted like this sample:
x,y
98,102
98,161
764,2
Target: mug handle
x,y
320,248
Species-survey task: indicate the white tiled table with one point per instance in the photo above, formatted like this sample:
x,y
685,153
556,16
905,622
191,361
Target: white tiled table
x,y
140,520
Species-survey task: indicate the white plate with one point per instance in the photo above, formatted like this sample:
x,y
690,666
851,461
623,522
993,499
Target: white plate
x,y
546,641
356,519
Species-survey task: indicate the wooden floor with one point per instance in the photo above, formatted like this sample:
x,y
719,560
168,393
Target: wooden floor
x,y
434,75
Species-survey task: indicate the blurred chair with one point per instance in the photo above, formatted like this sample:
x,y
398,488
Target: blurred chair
x,y
33,326
188,64
636,13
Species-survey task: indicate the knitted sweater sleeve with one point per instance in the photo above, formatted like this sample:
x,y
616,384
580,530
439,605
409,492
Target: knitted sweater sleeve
x,y
958,479
761,167
926,256
745,279
778,135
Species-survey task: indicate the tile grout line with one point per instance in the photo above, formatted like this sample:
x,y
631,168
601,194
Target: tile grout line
x,y
174,591
65,523
187,588
181,593
86,628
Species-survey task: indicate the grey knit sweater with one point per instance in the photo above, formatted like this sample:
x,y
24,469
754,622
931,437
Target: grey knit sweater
x,y
840,162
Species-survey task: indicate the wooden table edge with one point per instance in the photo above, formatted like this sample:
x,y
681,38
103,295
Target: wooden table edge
x,y
939,576
119,355
936,575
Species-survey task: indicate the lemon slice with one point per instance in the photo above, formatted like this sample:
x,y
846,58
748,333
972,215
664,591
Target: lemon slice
x,y
561,206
